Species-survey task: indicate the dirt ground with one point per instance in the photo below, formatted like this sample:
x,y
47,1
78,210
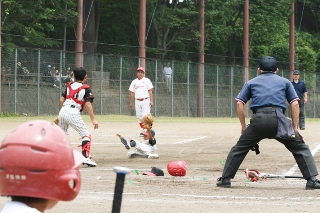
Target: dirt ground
x,y
204,147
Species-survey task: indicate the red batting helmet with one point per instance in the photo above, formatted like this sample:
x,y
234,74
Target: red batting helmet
x,y
177,168
37,160
140,69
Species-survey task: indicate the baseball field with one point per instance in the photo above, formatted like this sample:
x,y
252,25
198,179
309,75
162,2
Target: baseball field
x,y
204,144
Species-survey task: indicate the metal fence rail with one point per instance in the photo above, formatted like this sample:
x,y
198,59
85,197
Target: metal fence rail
x,y
110,76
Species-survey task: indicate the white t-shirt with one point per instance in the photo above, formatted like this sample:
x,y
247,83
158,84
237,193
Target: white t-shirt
x,y
17,207
140,87
167,70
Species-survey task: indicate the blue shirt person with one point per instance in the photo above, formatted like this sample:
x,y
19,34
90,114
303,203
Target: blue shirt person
x,y
269,94
302,92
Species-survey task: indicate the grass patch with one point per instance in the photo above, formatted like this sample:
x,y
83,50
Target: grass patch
x,y
126,118
8,114
163,119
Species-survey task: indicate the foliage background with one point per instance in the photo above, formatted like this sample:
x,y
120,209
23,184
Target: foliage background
x,y
111,27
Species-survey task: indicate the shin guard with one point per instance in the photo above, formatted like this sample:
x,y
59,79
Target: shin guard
x,y
86,145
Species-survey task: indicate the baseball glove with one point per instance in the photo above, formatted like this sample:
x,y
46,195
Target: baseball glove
x,y
147,121
56,120
252,175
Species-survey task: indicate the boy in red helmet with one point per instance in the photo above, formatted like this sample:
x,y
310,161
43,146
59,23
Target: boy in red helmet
x,y
37,166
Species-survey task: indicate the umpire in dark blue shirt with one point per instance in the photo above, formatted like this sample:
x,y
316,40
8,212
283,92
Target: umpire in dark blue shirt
x,y
302,93
269,93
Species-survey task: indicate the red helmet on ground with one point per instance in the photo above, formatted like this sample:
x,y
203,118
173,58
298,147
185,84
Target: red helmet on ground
x,y
140,69
177,168
37,160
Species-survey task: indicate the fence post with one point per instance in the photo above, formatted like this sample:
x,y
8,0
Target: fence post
x,y
172,100
156,88
15,81
231,92
101,82
38,86
188,90
217,90
314,95
120,83
202,98
60,72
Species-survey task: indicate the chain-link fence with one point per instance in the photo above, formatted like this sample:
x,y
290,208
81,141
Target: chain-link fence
x,y
28,86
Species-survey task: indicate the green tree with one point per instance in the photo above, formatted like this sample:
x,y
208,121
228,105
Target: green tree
x,y
26,23
269,25
281,52
224,25
172,28
175,25
119,27
306,59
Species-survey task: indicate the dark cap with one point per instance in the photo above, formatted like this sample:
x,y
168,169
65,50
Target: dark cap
x,y
268,63
296,72
154,172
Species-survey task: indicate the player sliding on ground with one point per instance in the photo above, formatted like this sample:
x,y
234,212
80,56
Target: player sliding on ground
x,y
143,149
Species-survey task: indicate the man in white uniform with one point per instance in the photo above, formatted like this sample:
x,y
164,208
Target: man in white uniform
x,y
167,71
141,91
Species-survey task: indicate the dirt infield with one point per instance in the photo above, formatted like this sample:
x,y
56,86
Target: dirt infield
x,y
204,146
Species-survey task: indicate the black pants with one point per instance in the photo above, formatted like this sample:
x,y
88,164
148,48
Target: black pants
x,y
301,113
264,125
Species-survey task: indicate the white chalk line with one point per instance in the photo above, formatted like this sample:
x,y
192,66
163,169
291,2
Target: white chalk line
x,y
215,199
157,135
294,168
214,142
182,150
188,141
277,201
193,138
240,200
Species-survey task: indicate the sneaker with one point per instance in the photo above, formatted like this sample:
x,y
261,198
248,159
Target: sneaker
x,y
153,156
224,182
136,155
125,143
312,183
89,162
130,153
302,128
141,135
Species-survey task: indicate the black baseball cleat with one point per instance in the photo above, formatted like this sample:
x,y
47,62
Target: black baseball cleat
x,y
312,183
224,182
136,155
